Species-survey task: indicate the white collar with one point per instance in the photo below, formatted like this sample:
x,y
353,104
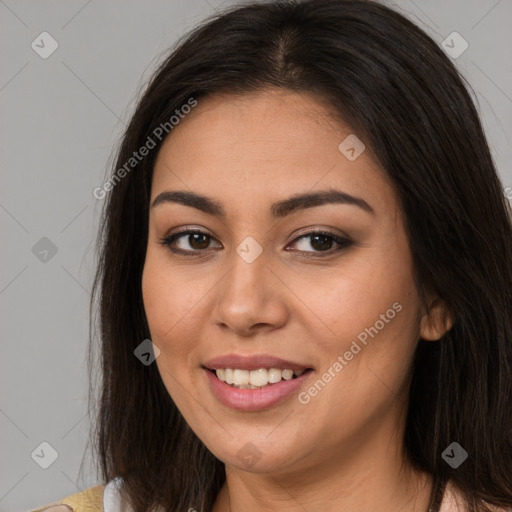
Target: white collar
x,y
112,501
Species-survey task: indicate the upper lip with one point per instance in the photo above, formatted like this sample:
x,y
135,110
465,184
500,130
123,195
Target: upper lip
x,y
254,362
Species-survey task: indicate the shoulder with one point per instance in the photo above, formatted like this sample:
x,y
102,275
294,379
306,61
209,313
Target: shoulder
x,y
100,498
89,500
453,501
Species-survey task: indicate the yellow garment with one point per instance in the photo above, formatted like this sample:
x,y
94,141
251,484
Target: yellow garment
x,y
90,500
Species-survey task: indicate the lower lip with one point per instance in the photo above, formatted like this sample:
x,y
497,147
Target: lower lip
x,y
254,399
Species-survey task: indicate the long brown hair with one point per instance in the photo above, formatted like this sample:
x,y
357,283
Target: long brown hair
x,y
405,99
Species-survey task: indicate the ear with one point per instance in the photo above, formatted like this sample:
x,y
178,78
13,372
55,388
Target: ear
x,y
437,321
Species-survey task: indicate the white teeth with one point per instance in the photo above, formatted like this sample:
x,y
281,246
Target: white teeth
x,y
287,374
274,375
245,379
240,377
259,377
229,376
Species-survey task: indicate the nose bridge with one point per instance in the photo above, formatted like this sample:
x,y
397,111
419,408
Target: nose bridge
x,y
249,272
248,295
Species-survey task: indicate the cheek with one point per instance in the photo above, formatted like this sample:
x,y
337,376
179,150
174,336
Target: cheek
x,y
365,366
352,297
371,311
166,309
171,296
169,307
175,302
158,299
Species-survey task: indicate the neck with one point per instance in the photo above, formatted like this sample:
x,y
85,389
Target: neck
x,y
372,474
363,491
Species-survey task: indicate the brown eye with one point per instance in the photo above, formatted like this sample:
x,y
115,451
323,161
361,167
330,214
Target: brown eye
x,y
201,240
321,241
196,240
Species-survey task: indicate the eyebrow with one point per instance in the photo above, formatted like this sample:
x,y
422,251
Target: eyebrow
x,y
278,210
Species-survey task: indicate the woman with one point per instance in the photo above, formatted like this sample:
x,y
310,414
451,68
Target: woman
x,y
305,276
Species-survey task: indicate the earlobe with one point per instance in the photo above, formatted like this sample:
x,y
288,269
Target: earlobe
x,y
437,321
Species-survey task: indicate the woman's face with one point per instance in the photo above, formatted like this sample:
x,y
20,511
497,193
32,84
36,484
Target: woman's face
x,y
260,288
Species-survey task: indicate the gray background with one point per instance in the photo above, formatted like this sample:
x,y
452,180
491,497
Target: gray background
x,y
61,117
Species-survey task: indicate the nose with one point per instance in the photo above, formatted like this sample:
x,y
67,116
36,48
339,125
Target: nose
x,y
251,298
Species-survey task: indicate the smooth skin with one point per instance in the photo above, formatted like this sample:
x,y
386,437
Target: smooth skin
x,y
300,300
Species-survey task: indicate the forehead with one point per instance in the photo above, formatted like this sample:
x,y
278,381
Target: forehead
x,y
267,144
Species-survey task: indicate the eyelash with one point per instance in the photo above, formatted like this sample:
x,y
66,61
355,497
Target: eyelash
x,y
343,243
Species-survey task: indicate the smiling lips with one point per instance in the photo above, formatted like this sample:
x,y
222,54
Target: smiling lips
x,y
251,383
